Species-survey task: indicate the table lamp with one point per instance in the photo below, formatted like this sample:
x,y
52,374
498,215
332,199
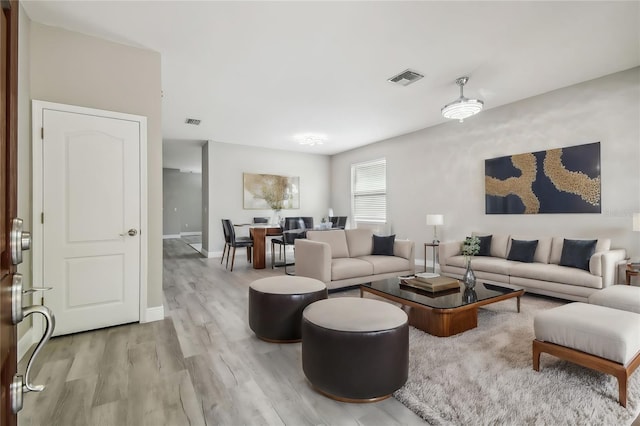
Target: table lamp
x,y
435,220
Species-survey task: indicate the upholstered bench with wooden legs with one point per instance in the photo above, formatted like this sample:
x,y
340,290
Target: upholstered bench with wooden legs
x,y
596,337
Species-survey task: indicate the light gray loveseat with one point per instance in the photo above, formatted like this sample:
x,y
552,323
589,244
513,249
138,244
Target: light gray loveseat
x,y
342,258
544,275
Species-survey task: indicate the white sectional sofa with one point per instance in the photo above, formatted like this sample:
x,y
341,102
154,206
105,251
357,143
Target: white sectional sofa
x,y
544,275
343,258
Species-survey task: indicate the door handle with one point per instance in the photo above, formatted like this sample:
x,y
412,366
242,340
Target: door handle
x,y
132,232
17,310
21,385
19,240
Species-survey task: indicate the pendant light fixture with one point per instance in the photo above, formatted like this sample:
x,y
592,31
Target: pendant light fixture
x,y
462,107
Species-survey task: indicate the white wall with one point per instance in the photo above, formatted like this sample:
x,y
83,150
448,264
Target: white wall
x,y
181,202
441,169
72,68
225,193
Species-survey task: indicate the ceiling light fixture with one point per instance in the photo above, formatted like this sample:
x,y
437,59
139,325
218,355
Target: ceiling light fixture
x,y
462,107
311,139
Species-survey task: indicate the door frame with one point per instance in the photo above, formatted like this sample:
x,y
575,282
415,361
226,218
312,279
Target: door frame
x,y
37,232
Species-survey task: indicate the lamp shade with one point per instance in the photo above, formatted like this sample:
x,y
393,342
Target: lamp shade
x,y
435,219
636,222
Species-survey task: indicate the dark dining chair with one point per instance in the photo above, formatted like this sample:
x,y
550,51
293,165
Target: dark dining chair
x,y
307,223
339,222
232,242
293,229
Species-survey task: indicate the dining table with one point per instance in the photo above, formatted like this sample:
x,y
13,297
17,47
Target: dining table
x,y
259,233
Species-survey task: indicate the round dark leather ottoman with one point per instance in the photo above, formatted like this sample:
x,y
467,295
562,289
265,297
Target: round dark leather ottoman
x,y
276,305
354,349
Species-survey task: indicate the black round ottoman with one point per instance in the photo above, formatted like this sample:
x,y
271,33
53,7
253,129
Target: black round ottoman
x,y
276,305
354,349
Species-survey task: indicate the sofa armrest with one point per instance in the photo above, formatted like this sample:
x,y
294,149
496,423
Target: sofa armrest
x,y
447,250
313,260
406,249
605,263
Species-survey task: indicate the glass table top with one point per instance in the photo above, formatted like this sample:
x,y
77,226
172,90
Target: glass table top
x,y
448,299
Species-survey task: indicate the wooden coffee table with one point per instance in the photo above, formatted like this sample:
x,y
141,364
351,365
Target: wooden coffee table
x,y
442,314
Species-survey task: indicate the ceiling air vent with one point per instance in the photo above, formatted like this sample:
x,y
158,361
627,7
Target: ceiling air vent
x,y
193,121
406,77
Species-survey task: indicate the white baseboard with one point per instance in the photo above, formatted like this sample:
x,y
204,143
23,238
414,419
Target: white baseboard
x,y
170,236
155,313
210,254
25,343
183,234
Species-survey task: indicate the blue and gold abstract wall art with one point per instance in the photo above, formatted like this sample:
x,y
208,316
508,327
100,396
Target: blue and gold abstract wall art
x,y
562,180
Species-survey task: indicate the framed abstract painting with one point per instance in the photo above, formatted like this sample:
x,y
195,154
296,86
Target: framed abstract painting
x,y
562,180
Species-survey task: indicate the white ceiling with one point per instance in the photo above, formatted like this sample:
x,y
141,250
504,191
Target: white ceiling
x,y
259,73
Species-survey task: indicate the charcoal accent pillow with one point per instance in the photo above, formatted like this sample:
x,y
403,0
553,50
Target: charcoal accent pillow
x,y
522,251
485,246
577,253
383,245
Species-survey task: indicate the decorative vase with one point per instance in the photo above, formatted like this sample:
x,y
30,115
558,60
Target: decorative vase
x,y
469,278
276,216
470,295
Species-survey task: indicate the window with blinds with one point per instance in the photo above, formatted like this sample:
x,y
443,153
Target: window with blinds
x,y
369,191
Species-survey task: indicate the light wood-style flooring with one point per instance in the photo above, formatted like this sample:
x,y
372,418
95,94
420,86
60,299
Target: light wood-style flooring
x,y
201,365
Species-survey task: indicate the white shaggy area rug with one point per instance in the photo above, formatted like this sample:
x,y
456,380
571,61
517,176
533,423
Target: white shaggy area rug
x,y
485,377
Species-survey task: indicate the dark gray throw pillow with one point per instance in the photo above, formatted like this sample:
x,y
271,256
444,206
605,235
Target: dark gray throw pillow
x,y
522,251
383,245
577,253
485,246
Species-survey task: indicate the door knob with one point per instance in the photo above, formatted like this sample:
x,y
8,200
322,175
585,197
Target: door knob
x,y
19,240
132,232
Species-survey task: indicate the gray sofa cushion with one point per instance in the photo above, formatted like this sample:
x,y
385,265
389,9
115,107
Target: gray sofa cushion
x,y
386,264
346,267
556,273
360,242
336,240
494,265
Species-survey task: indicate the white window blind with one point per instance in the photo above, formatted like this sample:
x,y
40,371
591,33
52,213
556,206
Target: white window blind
x,y
369,191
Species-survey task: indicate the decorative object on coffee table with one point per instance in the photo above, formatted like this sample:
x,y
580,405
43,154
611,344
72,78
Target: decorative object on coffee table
x,y
470,248
470,295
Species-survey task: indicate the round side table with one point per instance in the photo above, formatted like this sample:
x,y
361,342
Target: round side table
x,y
630,272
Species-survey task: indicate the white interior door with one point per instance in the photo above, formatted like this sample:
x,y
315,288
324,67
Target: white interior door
x,y
91,231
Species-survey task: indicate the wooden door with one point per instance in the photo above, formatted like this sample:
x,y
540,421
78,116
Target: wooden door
x,y
91,204
8,205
